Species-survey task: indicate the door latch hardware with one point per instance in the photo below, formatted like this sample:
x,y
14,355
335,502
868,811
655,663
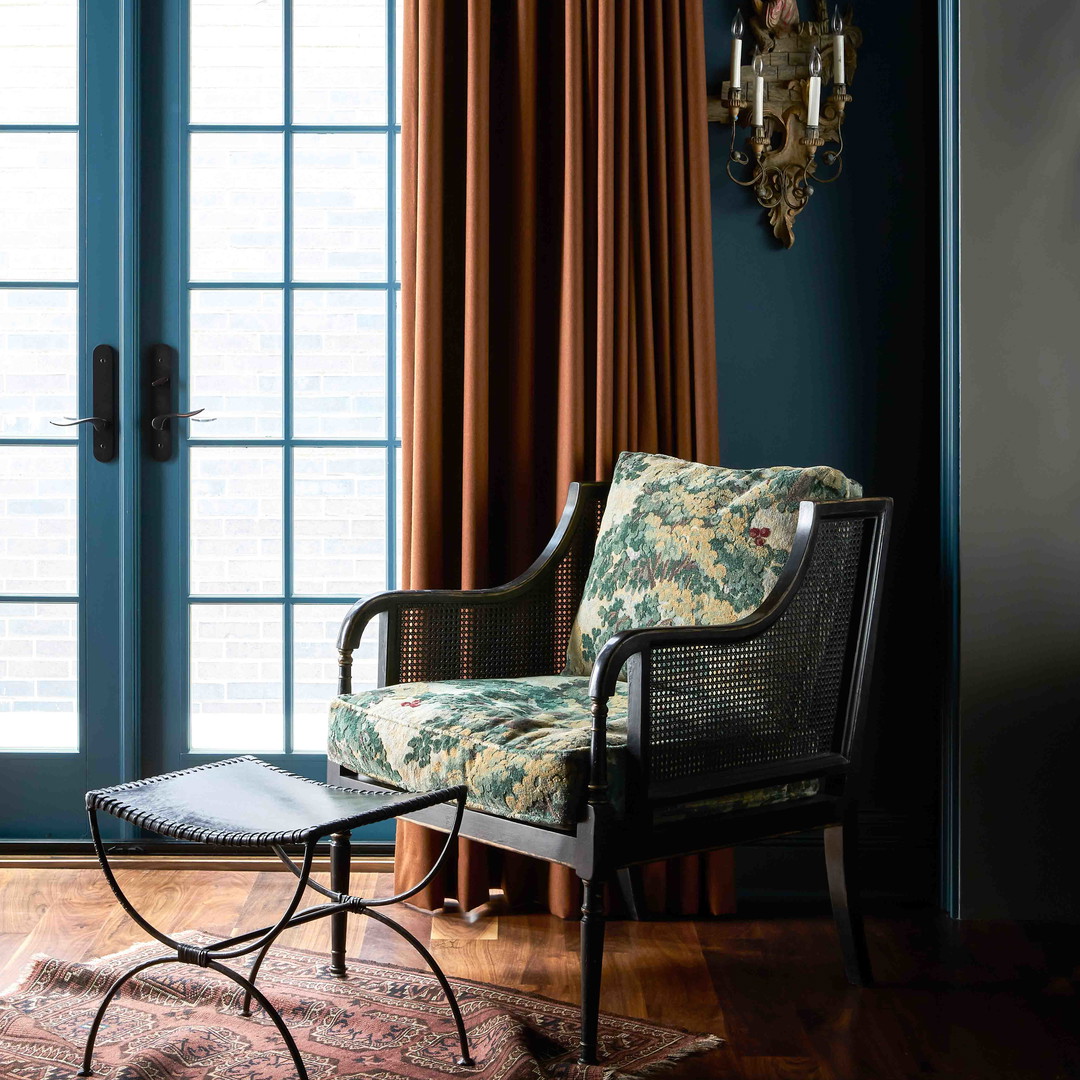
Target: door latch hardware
x,y
103,382
162,361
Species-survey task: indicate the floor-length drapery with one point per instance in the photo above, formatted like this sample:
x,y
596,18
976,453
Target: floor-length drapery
x,y
557,307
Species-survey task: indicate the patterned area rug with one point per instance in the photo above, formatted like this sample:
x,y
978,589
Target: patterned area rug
x,y
382,1023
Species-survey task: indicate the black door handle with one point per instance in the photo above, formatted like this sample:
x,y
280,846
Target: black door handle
x,y
103,381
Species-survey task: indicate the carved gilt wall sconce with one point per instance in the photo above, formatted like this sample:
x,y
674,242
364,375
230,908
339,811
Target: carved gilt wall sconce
x,y
788,122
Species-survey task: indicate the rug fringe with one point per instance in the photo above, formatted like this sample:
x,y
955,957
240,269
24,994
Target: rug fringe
x,y
24,975
27,972
702,1044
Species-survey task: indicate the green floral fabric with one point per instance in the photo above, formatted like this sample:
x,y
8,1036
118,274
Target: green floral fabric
x,y
683,544
521,745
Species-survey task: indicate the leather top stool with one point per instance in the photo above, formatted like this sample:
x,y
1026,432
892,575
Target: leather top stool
x,y
245,803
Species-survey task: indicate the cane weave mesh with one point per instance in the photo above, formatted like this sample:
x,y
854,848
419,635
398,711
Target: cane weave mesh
x,y
774,698
522,636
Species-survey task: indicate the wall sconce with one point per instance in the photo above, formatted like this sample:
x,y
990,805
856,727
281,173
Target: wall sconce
x,y
788,123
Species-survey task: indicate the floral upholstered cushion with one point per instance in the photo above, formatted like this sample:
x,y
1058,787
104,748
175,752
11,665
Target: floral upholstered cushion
x,y
683,544
521,745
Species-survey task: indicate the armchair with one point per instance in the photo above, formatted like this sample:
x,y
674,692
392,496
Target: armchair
x,y
606,750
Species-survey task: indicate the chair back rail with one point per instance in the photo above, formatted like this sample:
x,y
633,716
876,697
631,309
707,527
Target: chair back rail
x,y
777,697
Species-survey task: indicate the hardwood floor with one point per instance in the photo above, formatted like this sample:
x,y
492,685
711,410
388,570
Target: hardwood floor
x,y
970,1001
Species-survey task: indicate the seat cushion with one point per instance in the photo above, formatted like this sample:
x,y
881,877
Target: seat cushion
x,y
521,745
683,544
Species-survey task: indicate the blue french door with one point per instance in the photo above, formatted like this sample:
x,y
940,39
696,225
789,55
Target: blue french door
x,y
66,711
273,253
215,183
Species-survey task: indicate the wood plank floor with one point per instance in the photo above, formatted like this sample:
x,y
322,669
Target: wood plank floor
x,y
969,1001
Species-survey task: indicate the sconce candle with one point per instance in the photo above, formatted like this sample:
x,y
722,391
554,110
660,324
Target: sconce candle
x,y
814,109
838,47
759,89
736,51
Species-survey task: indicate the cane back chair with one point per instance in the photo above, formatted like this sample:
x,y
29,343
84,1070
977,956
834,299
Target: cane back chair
x,y
682,738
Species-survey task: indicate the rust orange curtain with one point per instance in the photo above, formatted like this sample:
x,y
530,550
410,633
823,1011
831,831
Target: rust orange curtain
x,y
557,307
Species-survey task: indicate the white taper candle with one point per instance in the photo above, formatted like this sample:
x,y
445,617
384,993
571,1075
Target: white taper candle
x,y
759,90
814,111
839,73
736,51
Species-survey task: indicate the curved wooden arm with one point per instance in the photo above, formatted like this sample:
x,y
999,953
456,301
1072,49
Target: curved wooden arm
x,y
365,609
627,643
579,498
641,643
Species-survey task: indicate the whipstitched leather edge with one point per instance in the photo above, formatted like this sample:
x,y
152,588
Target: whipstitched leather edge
x,y
104,799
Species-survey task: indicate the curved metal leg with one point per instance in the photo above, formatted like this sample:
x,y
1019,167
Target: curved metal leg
x,y
253,975
88,1053
466,1059
271,1011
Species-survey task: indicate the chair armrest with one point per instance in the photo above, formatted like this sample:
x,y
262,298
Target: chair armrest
x,y
507,631
775,696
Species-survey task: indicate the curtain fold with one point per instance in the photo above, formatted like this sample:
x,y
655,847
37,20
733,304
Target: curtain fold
x,y
557,307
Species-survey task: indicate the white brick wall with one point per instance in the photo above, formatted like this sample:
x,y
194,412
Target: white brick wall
x,y
236,520
38,545
339,207
38,343
236,62
38,677
39,215
236,691
237,209
39,61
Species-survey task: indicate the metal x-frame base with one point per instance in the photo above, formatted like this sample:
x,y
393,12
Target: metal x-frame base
x,y
259,941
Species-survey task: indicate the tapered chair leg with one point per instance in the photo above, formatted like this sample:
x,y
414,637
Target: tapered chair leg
x,y
592,965
841,854
340,869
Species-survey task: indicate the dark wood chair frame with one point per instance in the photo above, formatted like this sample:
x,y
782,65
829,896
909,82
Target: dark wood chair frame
x,y
521,629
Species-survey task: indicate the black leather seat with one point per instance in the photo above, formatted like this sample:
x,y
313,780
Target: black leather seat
x,y
243,802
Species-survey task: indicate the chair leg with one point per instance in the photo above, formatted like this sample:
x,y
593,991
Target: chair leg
x,y
592,963
340,860
841,854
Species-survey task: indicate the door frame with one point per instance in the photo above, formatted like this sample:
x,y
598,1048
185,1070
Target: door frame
x,y
949,211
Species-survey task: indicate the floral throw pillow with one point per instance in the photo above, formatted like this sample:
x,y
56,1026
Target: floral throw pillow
x,y
683,544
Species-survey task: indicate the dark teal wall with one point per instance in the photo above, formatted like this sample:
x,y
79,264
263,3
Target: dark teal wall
x,y
828,354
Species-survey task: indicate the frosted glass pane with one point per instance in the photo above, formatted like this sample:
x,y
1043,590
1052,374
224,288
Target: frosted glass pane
x,y
315,669
38,520
39,61
39,677
237,71
397,207
39,216
339,521
339,363
236,520
237,219
339,209
339,61
38,350
236,365
235,694
397,367
399,580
